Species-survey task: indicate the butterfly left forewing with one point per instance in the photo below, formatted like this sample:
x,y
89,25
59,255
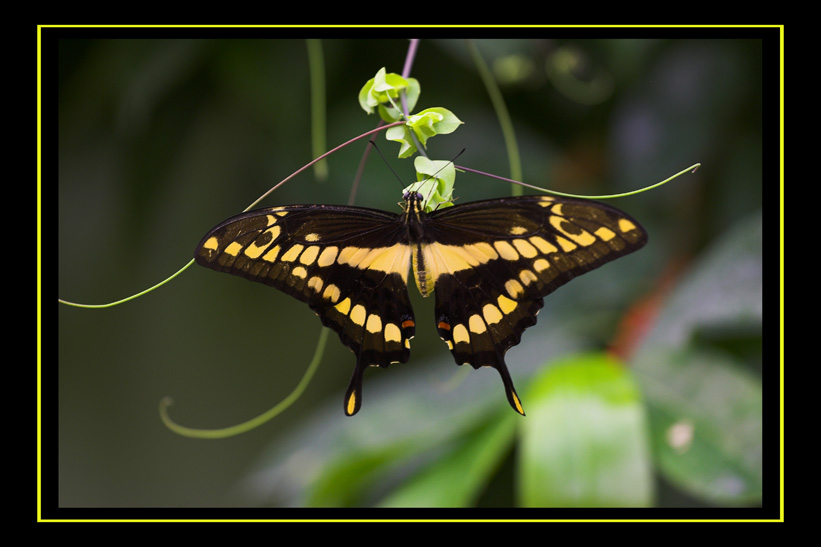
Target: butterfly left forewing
x,y
493,262
348,264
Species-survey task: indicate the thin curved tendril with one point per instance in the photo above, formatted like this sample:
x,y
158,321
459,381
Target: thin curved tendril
x,y
263,196
328,153
253,422
692,168
130,297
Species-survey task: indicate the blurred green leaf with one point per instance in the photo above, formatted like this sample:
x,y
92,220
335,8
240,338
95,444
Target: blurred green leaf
x,y
705,403
347,481
584,443
707,432
455,479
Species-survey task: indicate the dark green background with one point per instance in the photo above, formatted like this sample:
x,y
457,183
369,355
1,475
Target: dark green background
x,y
158,138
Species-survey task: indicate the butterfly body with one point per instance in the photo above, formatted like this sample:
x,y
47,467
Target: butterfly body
x,y
489,264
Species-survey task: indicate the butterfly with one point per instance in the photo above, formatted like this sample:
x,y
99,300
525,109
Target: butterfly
x,y
490,264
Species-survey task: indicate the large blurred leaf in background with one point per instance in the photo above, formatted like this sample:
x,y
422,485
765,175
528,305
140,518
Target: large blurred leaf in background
x,y
698,368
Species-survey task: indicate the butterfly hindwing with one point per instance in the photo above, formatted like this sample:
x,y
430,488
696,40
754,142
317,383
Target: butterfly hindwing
x,y
350,265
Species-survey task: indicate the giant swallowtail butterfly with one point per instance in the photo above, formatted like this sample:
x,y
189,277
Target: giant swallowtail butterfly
x,y
490,264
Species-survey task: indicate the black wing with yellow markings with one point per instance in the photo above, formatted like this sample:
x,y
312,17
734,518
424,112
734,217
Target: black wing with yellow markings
x,y
491,263
350,265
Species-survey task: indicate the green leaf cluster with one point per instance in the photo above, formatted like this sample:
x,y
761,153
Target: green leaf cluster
x,y
382,93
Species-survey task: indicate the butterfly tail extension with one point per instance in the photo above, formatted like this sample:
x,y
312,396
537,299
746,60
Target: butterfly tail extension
x,y
353,396
510,391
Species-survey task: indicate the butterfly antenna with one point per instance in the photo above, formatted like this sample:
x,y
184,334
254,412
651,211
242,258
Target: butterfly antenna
x,y
395,174
421,182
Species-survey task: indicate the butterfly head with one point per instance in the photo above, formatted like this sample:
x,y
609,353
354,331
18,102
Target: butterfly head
x,y
413,195
414,201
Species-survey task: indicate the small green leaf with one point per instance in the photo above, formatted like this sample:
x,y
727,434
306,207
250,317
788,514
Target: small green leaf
x,y
402,135
437,178
429,122
382,92
433,121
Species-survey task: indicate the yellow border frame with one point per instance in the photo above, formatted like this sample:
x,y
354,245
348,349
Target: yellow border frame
x,y
39,274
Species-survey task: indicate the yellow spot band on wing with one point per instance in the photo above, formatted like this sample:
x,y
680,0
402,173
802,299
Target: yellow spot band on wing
x,y
394,259
566,245
527,277
506,250
374,323
309,255
514,288
212,244
315,283
351,255
327,257
476,324
233,249
505,304
291,254
332,293
583,237
460,334
492,314
625,225
271,255
358,315
525,249
541,265
343,307
543,245
605,233
253,250
392,333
